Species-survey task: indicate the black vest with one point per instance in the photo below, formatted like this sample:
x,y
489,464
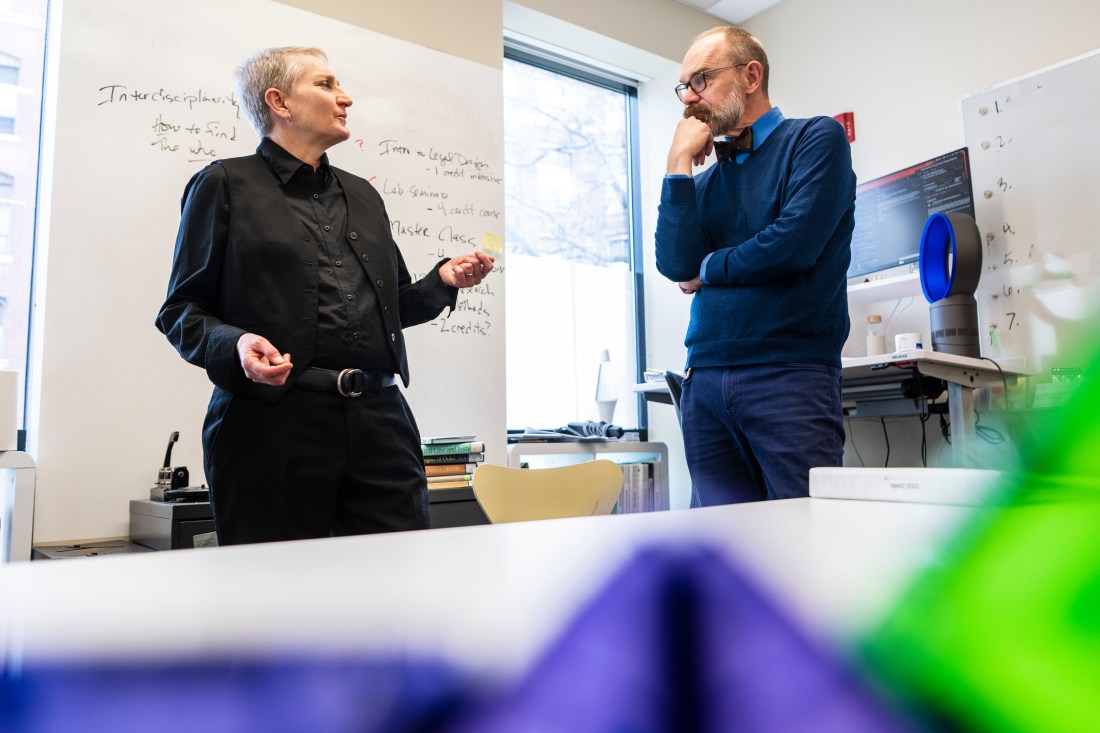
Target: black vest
x,y
270,277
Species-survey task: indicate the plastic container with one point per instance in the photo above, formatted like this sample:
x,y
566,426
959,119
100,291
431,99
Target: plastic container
x,y
876,337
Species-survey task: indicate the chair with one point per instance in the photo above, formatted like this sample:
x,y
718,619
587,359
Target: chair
x,y
675,384
521,494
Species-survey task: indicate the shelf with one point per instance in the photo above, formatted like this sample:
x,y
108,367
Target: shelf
x,y
887,288
549,455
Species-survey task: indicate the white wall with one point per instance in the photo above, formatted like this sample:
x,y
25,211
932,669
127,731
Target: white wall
x,y
903,67
666,308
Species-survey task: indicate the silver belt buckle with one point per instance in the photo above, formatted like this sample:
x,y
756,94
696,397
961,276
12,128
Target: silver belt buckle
x,y
340,382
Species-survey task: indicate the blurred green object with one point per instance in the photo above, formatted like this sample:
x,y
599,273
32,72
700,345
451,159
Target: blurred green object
x,y
1003,633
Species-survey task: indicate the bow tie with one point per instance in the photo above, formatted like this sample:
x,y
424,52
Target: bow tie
x,y
727,148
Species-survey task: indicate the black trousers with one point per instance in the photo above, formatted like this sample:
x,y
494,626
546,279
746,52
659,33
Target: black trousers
x,y
314,464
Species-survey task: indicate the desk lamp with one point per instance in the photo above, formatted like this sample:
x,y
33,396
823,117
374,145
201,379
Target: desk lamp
x,y
605,388
950,266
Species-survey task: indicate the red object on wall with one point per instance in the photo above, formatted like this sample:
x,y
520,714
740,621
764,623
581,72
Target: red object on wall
x,y
848,119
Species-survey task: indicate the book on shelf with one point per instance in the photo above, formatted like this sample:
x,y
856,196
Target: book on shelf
x,y
467,477
456,458
438,439
447,449
448,485
448,469
639,491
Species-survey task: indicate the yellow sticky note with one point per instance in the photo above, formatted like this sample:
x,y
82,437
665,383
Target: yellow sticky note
x,y
492,244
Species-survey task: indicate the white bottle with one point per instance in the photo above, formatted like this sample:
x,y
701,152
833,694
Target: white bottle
x,y
876,338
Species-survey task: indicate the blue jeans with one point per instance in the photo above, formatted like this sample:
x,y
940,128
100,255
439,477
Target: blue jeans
x,y
754,432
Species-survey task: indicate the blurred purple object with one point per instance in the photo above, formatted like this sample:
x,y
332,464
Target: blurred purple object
x,y
230,696
679,642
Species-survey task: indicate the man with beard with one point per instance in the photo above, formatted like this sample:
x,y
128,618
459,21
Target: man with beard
x,y
761,239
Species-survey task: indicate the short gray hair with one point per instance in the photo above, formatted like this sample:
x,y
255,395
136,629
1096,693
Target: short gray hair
x,y
742,46
265,69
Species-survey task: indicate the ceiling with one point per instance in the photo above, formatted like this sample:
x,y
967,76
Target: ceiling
x,y
732,11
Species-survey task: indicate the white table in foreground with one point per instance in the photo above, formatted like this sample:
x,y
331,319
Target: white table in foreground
x,y
488,598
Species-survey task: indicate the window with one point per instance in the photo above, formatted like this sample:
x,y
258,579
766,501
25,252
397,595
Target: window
x,y
22,58
9,79
6,200
9,69
573,257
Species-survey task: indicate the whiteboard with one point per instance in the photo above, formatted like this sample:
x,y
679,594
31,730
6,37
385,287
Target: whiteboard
x,y
145,98
1036,170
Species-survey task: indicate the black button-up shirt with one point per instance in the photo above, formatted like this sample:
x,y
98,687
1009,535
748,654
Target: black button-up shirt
x,y
247,261
350,331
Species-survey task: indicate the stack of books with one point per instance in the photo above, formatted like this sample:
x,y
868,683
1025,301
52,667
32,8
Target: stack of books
x,y
639,492
450,460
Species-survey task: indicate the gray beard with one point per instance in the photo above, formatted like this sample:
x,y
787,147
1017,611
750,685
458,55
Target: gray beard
x,y
727,116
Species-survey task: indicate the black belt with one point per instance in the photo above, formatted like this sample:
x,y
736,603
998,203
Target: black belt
x,y
347,382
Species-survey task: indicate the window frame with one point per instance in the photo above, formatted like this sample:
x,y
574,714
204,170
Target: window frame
x,y
32,77
522,52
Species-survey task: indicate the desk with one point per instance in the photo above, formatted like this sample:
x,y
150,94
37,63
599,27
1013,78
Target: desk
x,y
963,374
868,379
487,598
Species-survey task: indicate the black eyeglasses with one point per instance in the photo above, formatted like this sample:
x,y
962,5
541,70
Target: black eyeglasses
x,y
698,82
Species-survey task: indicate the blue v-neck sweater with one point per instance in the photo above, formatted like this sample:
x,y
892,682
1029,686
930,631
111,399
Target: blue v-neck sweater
x,y
780,227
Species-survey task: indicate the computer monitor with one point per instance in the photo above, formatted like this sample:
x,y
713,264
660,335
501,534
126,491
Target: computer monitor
x,y
891,210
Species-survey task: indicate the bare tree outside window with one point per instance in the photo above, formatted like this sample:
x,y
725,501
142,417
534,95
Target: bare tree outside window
x,y
570,291
22,55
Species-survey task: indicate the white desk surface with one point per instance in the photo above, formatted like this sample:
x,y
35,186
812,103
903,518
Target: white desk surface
x,y
965,370
487,598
